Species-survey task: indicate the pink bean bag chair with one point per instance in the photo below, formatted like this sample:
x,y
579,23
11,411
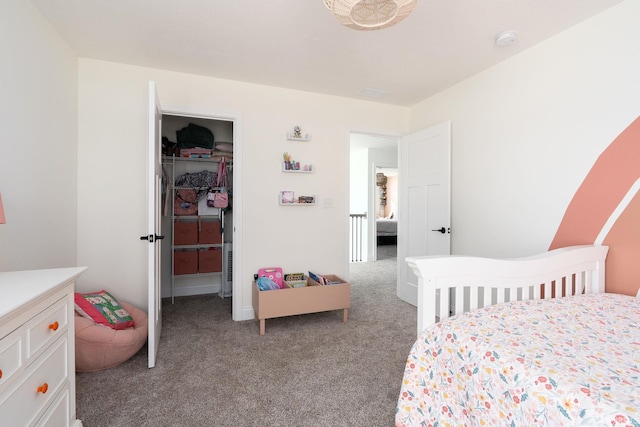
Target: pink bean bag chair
x,y
99,347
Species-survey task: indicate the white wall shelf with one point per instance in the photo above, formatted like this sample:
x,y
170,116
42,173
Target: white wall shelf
x,y
292,137
287,198
309,169
169,159
297,204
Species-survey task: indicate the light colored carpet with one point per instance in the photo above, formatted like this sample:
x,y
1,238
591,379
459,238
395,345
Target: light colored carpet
x,y
308,370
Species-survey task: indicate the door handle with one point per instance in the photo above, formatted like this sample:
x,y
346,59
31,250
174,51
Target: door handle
x,y
151,238
443,230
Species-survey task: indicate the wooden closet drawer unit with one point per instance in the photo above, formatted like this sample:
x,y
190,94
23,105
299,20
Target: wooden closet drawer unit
x,y
11,360
22,405
46,327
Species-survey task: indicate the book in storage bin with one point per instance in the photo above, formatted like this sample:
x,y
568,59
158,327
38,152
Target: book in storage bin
x,y
297,280
312,298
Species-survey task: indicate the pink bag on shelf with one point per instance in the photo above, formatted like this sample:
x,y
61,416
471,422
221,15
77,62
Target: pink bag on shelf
x,y
219,198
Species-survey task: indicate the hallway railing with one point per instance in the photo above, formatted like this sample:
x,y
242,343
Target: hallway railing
x,y
355,243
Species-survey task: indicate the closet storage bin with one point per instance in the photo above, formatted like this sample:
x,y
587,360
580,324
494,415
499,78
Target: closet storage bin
x,y
210,260
185,262
185,233
210,233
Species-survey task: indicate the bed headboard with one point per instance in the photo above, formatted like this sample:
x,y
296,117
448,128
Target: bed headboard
x,y
452,284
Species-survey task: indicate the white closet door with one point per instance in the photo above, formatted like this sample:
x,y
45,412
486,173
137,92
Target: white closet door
x,y
154,224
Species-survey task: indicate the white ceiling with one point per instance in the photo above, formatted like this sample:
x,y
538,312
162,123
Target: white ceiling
x,y
298,44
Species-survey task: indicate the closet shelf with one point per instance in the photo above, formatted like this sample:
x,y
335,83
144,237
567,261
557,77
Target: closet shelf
x,y
291,137
214,274
199,246
195,217
169,159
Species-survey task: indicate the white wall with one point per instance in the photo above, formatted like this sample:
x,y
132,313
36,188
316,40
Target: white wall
x,y
38,107
112,170
526,131
359,177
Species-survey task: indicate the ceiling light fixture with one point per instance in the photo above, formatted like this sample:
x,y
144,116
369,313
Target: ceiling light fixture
x,y
370,14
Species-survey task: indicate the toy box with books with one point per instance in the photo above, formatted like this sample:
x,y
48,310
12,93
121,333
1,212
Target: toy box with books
x,y
301,294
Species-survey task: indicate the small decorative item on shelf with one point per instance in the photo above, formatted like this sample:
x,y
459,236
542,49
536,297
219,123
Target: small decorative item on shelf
x,y
306,199
288,163
292,165
287,197
296,135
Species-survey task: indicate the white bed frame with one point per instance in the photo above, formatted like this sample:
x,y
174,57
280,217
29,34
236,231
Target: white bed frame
x,y
484,281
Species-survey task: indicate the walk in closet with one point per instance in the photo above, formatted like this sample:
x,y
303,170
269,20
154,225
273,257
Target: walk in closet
x,y
198,247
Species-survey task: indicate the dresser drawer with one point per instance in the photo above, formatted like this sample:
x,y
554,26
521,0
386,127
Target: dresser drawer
x,y
46,327
11,360
21,405
58,414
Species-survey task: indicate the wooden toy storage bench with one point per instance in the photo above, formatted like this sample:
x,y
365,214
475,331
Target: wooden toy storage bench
x,y
291,301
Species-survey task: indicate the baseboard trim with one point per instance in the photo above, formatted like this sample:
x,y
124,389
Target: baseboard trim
x,y
247,314
187,291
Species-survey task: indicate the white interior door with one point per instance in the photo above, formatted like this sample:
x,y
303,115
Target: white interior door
x,y
154,231
424,197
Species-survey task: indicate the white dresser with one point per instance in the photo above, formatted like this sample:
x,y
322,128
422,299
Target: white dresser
x,y
37,348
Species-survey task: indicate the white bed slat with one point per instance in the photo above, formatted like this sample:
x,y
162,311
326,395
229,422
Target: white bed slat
x,y
587,280
547,289
444,304
580,283
487,297
459,300
537,291
473,298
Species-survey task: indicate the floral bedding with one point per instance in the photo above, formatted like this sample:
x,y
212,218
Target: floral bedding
x,y
557,362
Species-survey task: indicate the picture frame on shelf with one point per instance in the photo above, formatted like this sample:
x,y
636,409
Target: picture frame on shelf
x,y
287,197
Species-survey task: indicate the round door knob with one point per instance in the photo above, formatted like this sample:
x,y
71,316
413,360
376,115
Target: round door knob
x,y
43,388
54,326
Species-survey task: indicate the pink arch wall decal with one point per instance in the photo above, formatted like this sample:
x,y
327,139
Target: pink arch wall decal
x,y
598,198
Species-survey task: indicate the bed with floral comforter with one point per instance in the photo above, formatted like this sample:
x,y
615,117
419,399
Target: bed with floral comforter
x,y
556,362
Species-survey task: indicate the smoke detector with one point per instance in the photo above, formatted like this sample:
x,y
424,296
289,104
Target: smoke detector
x,y
506,38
